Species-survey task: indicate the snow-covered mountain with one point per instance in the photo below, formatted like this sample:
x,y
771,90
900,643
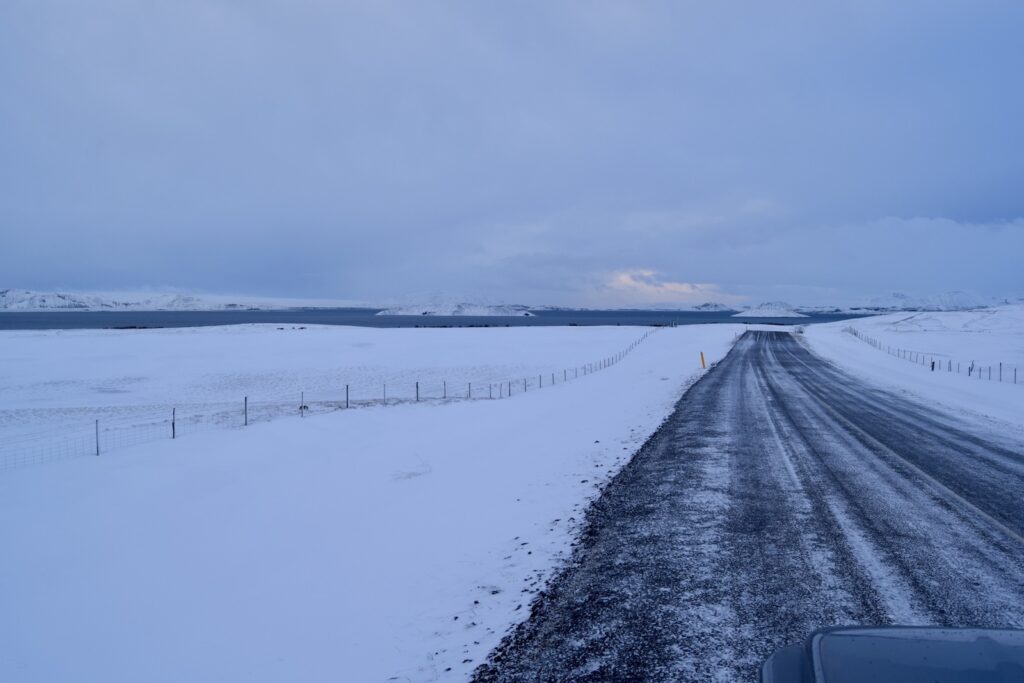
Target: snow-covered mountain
x,y
947,301
710,307
770,309
26,300
462,309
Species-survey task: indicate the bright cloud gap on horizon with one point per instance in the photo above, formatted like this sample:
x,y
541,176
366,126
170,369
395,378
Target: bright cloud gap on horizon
x,y
602,154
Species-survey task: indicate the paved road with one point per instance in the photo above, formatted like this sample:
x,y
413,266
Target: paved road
x,y
782,495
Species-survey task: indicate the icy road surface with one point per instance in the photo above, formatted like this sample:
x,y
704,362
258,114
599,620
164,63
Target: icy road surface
x,y
782,495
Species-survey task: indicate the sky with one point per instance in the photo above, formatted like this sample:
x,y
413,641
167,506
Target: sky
x,y
566,153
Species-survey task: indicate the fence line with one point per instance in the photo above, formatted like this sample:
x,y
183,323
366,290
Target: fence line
x,y
168,421
1000,372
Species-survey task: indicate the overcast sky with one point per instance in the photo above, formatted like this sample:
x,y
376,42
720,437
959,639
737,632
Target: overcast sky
x,y
567,153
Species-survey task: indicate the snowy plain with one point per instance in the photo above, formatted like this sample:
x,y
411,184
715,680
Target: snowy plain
x,y
955,339
385,543
56,383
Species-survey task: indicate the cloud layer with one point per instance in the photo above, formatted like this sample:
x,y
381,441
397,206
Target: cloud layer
x,y
530,152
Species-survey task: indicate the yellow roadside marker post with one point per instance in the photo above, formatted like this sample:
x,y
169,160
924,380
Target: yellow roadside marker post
x,y
703,365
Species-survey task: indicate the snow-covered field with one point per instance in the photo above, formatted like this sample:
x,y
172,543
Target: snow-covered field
x,y
954,339
386,543
56,383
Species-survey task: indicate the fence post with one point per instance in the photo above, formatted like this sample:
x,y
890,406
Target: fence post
x,y
540,381
445,388
490,391
524,386
1000,371
469,390
97,437
173,411
417,392
346,396
302,404
385,393
245,409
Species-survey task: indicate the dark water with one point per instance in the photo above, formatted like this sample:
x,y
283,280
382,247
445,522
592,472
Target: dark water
x,y
69,320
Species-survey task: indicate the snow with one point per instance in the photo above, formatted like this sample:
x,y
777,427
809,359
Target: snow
x,y
458,309
364,545
711,307
956,300
26,300
771,309
954,340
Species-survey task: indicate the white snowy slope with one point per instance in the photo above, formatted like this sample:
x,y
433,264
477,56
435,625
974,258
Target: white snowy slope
x,y
771,309
386,543
26,300
946,301
955,340
902,301
458,309
711,307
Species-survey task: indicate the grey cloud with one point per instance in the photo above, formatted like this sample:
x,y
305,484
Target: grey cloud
x,y
378,150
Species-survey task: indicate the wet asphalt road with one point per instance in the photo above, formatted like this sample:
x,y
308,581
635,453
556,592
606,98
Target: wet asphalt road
x,y
782,495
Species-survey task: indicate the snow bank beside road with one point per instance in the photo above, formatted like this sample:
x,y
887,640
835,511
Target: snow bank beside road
x,y
361,545
986,337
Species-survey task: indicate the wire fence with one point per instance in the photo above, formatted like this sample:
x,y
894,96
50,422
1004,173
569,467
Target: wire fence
x,y
110,429
936,362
